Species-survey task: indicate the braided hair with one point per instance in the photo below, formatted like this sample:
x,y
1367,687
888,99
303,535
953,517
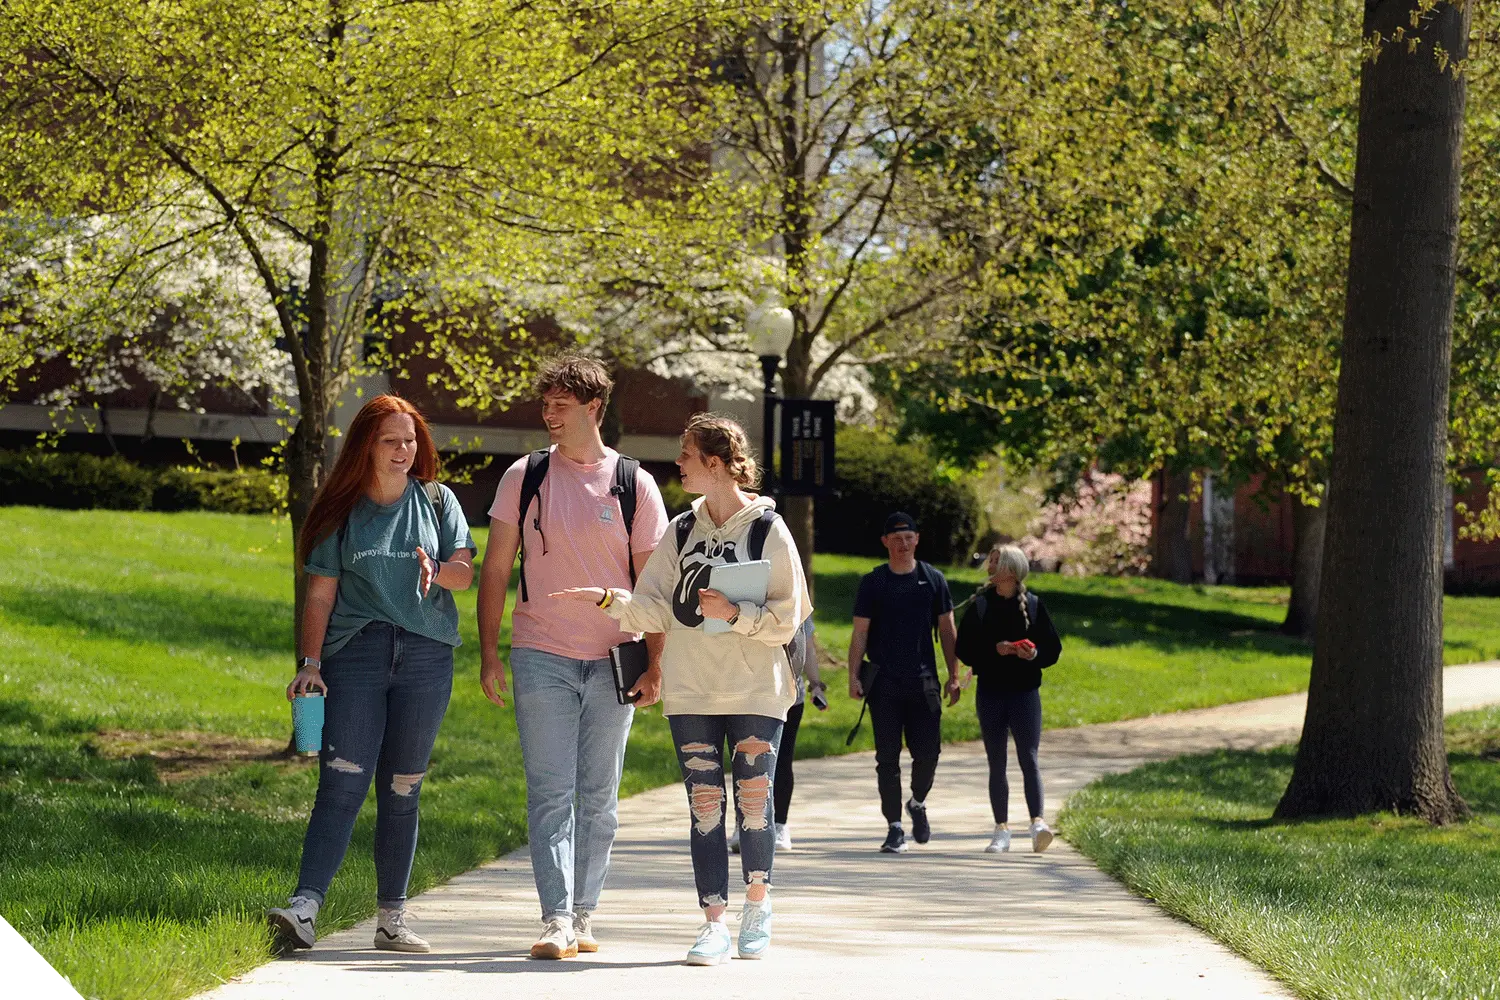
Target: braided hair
x,y
1011,558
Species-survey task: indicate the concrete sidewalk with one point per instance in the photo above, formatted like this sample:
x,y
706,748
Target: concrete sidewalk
x,y
945,921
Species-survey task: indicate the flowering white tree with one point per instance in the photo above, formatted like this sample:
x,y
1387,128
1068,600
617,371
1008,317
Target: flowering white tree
x,y
194,320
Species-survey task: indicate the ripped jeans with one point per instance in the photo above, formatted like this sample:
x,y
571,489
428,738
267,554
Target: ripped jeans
x,y
387,692
753,741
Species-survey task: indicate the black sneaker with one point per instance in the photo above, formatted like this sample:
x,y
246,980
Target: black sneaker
x,y
921,830
895,841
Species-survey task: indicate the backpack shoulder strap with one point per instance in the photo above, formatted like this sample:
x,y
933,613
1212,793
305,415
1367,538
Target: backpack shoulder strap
x,y
623,490
682,524
931,576
1031,604
760,530
531,487
981,604
434,497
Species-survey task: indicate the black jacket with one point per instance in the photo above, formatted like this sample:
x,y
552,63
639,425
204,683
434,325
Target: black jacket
x,y
1003,622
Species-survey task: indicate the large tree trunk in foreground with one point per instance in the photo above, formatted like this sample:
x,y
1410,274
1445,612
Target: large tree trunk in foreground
x,y
1373,737
1174,540
1308,525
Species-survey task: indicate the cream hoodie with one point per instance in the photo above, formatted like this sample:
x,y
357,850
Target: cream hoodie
x,y
741,672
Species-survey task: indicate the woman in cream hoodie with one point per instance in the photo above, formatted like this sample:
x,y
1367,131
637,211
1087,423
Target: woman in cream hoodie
x,y
734,686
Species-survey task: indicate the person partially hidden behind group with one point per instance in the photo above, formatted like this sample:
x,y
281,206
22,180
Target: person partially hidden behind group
x,y
383,546
735,685
1007,638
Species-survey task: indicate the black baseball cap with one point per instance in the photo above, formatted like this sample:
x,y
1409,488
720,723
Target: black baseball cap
x,y
899,521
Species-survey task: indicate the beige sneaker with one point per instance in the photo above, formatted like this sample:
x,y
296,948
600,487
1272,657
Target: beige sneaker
x,y
1041,836
583,930
557,940
392,934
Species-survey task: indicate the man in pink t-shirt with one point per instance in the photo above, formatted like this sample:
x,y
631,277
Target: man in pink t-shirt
x,y
572,727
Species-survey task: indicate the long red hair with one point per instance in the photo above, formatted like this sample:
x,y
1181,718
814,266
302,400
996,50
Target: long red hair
x,y
354,470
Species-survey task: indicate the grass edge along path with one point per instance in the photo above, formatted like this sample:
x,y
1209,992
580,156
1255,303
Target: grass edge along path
x,y
1376,906
143,624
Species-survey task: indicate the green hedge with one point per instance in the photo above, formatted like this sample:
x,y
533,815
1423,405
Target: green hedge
x,y
76,481
877,476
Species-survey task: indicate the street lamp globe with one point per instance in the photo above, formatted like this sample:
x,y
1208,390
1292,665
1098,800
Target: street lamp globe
x,y
770,327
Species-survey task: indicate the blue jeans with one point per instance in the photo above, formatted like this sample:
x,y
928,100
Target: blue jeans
x,y
573,734
387,692
754,742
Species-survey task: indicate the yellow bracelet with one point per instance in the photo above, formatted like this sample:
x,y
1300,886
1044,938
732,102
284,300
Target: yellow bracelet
x,y
607,599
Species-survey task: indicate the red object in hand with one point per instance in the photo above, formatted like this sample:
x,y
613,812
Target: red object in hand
x,y
1024,644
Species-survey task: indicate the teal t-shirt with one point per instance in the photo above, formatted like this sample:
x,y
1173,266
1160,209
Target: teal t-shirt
x,y
375,560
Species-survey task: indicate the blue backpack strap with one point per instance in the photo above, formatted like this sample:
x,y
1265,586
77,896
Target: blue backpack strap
x,y
623,490
531,488
1032,601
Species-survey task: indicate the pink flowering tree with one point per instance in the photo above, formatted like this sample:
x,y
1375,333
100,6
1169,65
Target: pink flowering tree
x,y
1102,528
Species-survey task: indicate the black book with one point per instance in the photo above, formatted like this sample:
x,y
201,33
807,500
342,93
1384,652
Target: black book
x,y
629,662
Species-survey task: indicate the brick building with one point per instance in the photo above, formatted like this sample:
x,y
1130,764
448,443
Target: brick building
x,y
239,427
1244,536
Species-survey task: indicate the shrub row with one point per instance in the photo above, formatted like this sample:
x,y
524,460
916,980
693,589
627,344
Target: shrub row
x,y
877,476
81,482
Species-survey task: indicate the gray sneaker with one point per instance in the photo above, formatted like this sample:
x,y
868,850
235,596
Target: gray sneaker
x,y
557,940
583,931
295,924
392,934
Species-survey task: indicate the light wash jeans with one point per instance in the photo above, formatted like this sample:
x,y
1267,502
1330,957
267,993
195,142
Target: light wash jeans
x,y
573,734
387,692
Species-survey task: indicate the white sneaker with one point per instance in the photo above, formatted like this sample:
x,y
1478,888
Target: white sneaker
x,y
583,930
734,841
755,928
783,837
557,940
295,924
1041,836
712,946
1000,842
392,934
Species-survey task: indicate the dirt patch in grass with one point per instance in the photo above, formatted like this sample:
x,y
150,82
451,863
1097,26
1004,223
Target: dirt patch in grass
x,y
185,754
1478,742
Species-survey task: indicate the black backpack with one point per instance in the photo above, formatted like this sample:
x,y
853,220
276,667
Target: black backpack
x,y
981,604
760,530
623,490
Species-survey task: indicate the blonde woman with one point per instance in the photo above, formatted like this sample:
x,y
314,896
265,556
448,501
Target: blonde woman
x,y
1006,637
736,685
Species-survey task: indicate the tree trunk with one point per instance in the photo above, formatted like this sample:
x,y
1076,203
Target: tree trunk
x,y
1308,523
304,473
1174,541
1373,736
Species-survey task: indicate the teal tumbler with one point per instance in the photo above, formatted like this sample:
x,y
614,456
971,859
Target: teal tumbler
x,y
307,723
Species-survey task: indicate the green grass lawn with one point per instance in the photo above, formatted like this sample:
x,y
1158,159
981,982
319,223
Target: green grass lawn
x,y
1380,906
152,624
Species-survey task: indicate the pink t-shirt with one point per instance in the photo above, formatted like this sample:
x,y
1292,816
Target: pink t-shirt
x,y
582,544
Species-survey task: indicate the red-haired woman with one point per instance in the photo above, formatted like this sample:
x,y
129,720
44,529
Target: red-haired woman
x,y
383,546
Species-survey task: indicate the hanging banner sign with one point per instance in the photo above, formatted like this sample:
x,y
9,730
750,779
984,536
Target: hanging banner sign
x,y
806,447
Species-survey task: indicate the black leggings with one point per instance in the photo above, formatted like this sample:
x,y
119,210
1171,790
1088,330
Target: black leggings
x,y
1020,714
783,782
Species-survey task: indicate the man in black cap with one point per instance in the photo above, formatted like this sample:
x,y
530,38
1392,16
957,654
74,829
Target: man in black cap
x,y
898,608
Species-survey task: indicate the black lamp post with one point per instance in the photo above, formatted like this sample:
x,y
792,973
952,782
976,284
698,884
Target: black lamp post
x,y
770,326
